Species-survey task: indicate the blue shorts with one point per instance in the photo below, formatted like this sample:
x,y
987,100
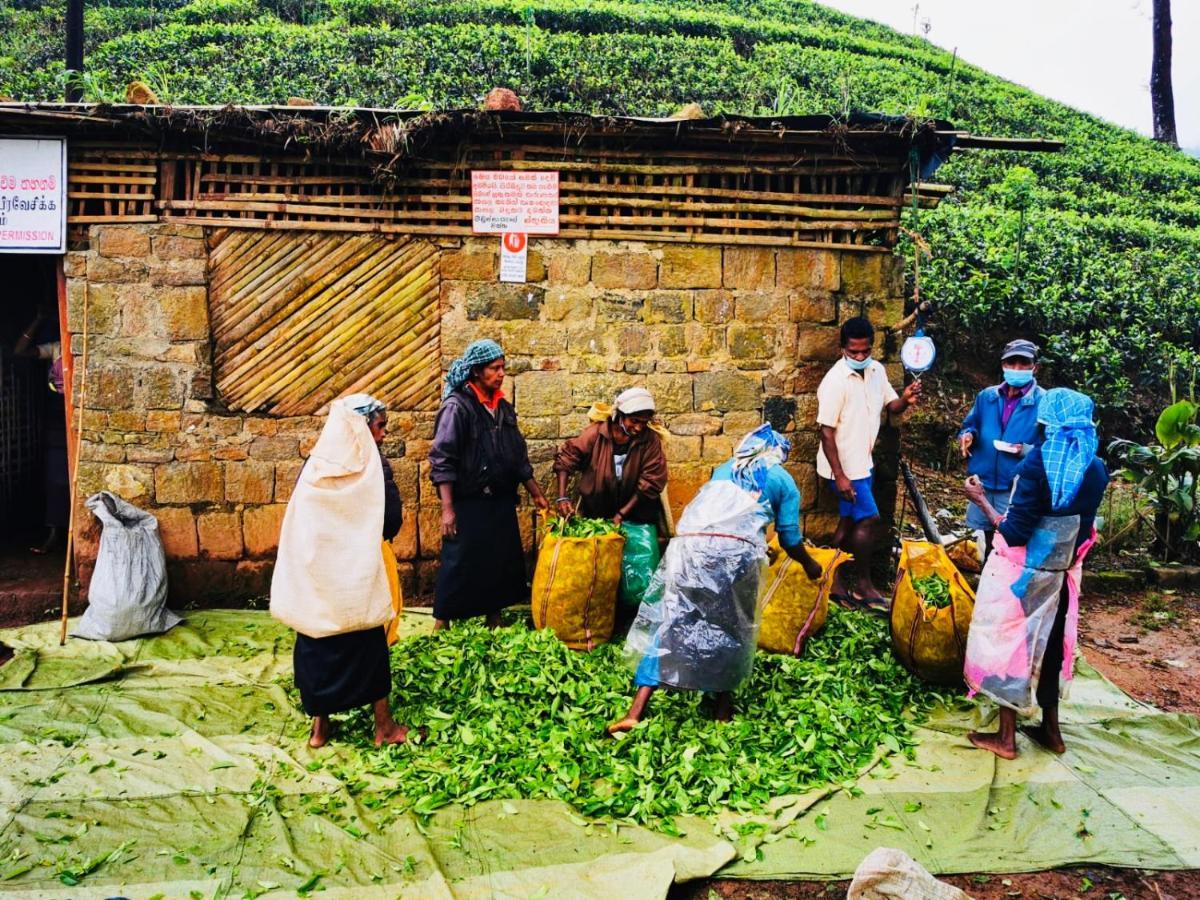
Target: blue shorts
x,y
863,506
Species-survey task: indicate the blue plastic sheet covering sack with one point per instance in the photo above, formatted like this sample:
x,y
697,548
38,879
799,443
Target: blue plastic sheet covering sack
x,y
697,627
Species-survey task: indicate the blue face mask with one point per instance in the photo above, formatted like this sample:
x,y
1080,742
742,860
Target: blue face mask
x,y
858,365
1018,377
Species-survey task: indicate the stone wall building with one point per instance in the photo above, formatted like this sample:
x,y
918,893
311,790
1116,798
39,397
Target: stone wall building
x,y
223,313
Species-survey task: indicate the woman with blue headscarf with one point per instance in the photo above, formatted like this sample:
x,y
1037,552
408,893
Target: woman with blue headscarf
x,y
1020,650
477,460
696,628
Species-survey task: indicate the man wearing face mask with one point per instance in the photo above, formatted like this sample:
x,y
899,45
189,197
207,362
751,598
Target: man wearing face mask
x,y
1000,430
851,402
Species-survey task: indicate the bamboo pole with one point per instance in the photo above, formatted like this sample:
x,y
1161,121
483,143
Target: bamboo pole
x,y
83,382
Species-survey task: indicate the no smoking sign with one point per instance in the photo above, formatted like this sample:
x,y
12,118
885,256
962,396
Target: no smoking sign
x,y
514,256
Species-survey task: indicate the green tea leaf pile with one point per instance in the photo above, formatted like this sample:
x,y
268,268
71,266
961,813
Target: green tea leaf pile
x,y
934,590
514,713
580,527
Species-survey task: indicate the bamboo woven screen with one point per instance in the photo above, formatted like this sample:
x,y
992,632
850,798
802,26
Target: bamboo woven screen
x,y
299,319
111,183
721,196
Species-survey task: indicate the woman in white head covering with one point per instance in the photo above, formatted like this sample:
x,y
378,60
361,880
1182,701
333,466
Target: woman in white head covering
x,y
331,582
621,463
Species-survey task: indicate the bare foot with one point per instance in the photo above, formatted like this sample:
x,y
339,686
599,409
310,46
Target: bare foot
x,y
1044,737
990,740
626,724
391,733
322,731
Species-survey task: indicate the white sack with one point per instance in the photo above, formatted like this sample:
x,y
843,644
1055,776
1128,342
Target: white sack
x,y
888,874
127,596
329,575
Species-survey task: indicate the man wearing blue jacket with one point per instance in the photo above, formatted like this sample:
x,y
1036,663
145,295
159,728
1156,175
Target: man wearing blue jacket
x,y
999,430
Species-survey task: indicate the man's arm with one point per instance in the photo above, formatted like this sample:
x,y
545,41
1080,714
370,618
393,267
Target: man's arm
x,y
908,397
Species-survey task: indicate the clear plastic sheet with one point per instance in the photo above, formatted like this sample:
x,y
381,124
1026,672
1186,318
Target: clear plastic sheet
x,y
1015,605
697,626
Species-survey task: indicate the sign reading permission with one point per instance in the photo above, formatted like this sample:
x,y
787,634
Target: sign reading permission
x,y
514,201
33,195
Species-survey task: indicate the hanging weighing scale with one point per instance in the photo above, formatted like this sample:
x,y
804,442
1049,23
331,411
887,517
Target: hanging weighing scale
x,y
918,353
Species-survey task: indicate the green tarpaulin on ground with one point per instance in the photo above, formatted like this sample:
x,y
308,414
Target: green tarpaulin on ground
x,y
176,766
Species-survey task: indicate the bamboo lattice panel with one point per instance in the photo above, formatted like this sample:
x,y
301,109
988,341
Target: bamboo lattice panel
x,y
301,319
723,195
111,183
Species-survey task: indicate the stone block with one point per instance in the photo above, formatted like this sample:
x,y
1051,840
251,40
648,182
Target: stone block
x,y
142,320
751,341
469,266
127,420
602,387
818,527
260,528
104,307
683,448
761,306
251,481
685,266
542,451
172,247
149,454
718,448
130,482
106,453
533,339
539,427
672,341
179,272
821,269
633,340
543,393
121,240
749,268
818,343
160,388
715,307
724,391
190,482
569,305
683,482
253,577
629,271
504,301
184,312
535,267
672,393
694,424
238,453
280,447
286,474
613,307
865,274
812,306
112,385
740,423
429,530
177,528
220,534
569,269
75,264
122,271
669,306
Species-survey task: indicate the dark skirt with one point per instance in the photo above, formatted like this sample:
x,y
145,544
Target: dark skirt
x,y
342,672
56,479
482,571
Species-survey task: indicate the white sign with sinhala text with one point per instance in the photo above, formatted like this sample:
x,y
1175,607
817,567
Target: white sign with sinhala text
x,y
33,195
503,201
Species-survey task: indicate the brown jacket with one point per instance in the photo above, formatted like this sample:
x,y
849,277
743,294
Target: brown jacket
x,y
645,473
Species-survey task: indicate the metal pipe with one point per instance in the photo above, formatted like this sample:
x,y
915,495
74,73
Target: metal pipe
x,y
74,50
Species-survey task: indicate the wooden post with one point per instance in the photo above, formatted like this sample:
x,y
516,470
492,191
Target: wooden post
x,y
83,375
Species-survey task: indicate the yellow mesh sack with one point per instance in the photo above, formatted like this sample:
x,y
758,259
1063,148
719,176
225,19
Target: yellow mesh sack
x,y
393,576
793,608
575,588
930,642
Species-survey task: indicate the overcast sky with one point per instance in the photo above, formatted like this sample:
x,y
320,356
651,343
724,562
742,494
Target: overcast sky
x,y
1090,54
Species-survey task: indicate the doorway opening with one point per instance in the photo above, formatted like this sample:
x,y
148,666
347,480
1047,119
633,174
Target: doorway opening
x,y
34,480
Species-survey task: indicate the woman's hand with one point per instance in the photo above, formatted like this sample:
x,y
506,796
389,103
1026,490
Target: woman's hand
x,y
965,440
617,520
449,524
565,508
812,569
974,490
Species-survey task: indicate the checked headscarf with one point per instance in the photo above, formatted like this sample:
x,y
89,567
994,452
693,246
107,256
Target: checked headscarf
x,y
758,451
479,353
1070,444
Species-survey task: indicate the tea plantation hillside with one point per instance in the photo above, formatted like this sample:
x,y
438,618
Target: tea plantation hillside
x,y
1095,250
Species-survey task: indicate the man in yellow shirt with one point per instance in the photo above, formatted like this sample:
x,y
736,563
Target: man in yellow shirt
x,y
851,402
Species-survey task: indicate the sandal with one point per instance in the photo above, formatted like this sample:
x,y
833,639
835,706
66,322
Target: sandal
x,y
851,600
